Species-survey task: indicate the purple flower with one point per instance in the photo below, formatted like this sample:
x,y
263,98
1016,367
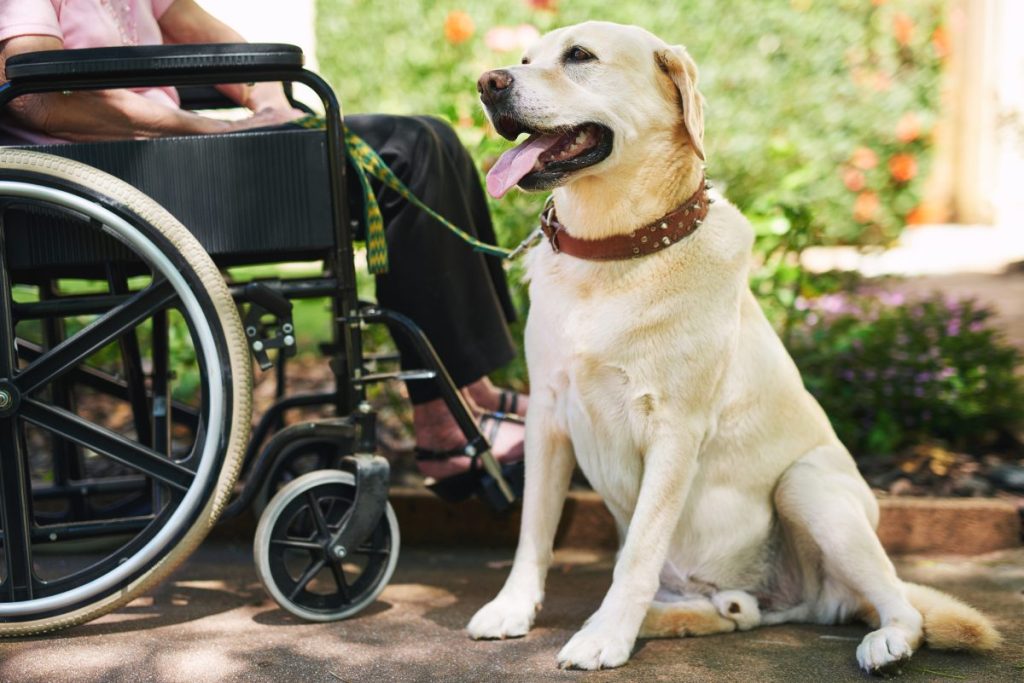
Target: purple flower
x,y
892,298
976,326
953,327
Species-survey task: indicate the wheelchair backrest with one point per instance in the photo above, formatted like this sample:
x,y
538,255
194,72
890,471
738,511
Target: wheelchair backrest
x,y
254,197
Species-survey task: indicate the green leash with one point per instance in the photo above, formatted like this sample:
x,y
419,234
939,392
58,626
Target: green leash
x,y
367,162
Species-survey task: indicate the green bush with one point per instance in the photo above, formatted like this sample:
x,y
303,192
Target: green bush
x,y
892,373
819,128
809,103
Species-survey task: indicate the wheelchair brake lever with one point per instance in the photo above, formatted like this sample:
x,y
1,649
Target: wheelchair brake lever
x,y
264,300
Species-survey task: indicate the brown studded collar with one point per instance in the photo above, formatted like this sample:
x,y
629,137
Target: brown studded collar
x,y
649,239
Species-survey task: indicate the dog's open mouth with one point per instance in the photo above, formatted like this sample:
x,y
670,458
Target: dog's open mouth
x,y
547,156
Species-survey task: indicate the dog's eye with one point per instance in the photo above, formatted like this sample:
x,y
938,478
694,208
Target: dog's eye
x,y
578,54
526,60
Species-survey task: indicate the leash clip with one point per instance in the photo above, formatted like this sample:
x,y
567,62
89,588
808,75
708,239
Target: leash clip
x,y
531,239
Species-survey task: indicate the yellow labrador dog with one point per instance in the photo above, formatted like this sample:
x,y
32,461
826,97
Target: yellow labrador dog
x,y
653,368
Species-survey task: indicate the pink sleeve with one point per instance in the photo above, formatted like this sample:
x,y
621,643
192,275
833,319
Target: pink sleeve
x,y
28,18
159,7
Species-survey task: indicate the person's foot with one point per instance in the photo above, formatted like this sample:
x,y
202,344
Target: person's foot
x,y
493,399
437,431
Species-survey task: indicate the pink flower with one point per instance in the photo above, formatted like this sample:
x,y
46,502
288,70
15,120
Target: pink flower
x,y
909,127
864,158
853,179
543,5
511,38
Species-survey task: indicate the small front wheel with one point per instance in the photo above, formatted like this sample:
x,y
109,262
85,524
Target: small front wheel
x,y
299,560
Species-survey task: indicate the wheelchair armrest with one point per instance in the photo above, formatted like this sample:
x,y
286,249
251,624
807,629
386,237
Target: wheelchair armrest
x,y
149,65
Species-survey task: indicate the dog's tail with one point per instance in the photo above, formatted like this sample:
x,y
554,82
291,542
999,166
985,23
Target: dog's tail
x,y
950,624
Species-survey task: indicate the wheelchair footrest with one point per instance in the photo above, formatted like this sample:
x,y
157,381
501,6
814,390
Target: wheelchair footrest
x,y
405,376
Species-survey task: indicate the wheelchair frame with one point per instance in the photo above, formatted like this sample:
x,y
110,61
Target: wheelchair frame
x,y
353,431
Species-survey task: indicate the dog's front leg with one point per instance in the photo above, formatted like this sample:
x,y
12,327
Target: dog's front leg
x,y
549,466
607,638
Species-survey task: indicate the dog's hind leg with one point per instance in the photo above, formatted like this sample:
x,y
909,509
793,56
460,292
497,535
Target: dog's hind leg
x,y
697,615
690,617
822,495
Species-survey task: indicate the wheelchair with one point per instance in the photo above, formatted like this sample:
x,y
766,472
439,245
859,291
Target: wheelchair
x,y
126,353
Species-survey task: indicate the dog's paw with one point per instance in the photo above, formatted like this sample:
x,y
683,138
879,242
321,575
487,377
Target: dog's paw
x,y
503,618
738,606
883,651
596,647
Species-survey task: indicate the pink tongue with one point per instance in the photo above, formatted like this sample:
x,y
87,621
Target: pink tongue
x,y
511,166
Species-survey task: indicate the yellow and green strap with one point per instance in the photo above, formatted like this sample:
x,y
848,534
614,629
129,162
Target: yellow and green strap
x,y
367,162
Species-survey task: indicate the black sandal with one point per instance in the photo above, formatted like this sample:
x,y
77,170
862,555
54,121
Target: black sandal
x,y
458,487
508,402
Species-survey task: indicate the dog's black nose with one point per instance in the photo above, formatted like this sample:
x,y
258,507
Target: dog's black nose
x,y
493,85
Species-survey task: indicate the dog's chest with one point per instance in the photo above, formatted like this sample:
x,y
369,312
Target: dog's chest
x,y
609,364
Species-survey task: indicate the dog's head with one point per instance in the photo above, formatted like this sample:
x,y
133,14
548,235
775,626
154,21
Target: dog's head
x,y
592,97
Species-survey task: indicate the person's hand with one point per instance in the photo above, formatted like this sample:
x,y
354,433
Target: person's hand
x,y
275,116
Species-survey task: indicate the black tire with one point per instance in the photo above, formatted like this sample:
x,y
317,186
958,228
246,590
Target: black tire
x,y
283,550
226,385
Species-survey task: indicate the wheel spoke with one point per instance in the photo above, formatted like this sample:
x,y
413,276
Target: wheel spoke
x,y
105,442
339,579
94,336
307,576
371,551
318,514
105,383
14,506
296,543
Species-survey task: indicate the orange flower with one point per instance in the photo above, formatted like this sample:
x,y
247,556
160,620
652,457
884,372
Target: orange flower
x,y
878,3
926,213
543,5
940,41
916,216
909,127
864,158
458,27
902,167
902,28
865,206
853,179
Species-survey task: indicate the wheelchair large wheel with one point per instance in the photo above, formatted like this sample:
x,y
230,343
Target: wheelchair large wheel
x,y
299,565
156,496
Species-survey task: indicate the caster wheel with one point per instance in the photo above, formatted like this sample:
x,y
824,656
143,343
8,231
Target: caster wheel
x,y
298,562
315,456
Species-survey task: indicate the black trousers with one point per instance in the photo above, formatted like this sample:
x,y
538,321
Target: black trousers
x,y
458,296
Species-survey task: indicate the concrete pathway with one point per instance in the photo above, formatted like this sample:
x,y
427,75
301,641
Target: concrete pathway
x,y
212,622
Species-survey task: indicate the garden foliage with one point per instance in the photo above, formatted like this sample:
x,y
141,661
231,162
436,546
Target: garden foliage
x,y
892,372
819,113
820,117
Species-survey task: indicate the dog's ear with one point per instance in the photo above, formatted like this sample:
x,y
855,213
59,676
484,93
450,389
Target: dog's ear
x,y
680,67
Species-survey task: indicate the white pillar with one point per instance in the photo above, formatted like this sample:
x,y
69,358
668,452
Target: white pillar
x,y
987,77
1008,193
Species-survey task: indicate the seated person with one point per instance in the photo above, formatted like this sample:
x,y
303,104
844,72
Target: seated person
x,y
459,297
